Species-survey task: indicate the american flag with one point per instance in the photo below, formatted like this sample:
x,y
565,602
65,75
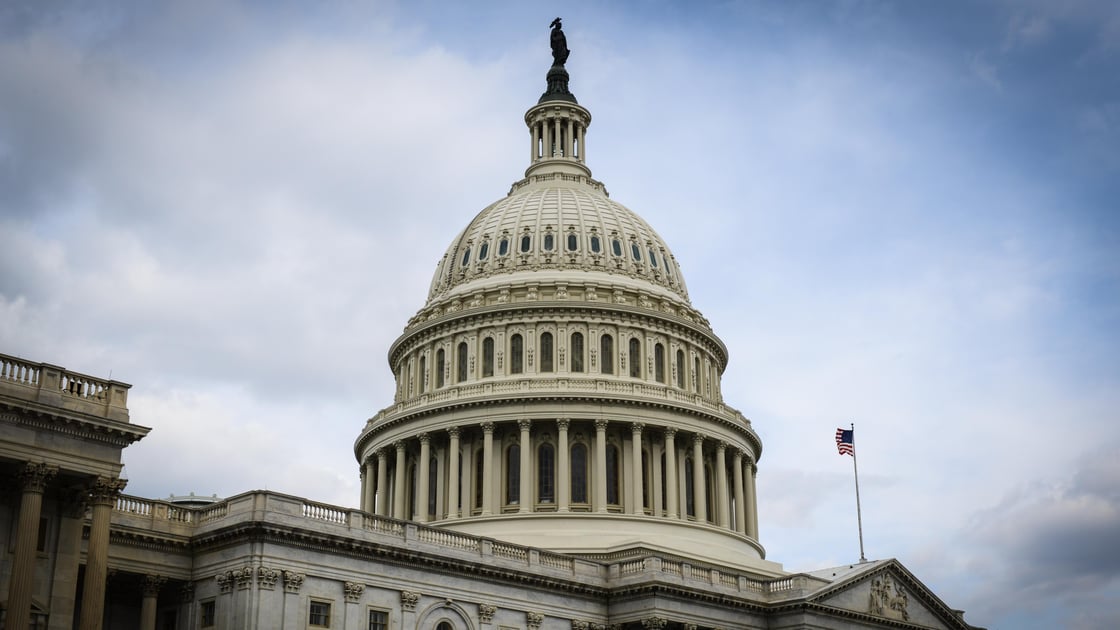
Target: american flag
x,y
846,441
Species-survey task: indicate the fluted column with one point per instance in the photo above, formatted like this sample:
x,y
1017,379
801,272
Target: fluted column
x,y
672,485
722,514
398,481
556,139
149,590
525,485
752,505
453,473
102,496
582,146
380,508
423,476
568,144
636,466
369,484
533,134
563,474
740,509
600,465
34,478
699,495
487,467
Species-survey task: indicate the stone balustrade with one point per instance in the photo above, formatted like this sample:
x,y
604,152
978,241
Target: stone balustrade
x,y
56,386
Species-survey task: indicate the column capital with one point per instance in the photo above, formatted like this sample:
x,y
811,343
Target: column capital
x,y
670,433
637,427
488,427
424,438
524,424
378,453
563,423
399,445
721,446
737,453
150,585
600,425
105,490
654,623
697,439
453,432
35,476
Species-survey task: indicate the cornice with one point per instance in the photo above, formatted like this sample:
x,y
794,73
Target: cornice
x,y
55,420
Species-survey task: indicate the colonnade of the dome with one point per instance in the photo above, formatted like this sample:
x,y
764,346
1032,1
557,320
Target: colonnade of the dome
x,y
563,465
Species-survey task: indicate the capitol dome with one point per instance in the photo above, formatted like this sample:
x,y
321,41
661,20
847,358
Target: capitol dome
x,y
558,389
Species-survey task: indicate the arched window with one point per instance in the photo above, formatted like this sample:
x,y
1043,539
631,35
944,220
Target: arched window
x,y
596,246
548,242
433,477
526,243
680,369
696,375
612,475
466,257
503,246
411,510
513,475
420,376
573,242
546,352
516,354
665,483
710,493
635,252
576,352
546,476
441,365
689,490
579,473
659,363
635,358
462,362
652,258
483,250
646,478
488,356
443,625
606,354
616,247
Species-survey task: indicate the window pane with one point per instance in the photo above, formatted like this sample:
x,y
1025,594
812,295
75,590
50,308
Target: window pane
x,y
488,356
577,352
546,352
612,475
616,247
513,474
606,352
516,354
503,247
579,473
320,614
440,366
462,359
635,358
526,242
573,242
545,474
467,257
433,476
635,252
680,369
378,620
596,247
483,250
659,363
548,242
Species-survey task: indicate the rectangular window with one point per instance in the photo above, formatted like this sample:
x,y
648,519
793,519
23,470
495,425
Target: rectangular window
x,y
319,614
378,620
206,614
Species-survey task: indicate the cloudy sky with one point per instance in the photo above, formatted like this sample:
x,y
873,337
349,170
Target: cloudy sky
x,y
902,215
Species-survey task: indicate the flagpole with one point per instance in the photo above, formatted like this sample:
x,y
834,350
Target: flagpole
x,y
859,514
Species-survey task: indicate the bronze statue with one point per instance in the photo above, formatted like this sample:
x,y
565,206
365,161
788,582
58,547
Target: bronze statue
x,y
560,50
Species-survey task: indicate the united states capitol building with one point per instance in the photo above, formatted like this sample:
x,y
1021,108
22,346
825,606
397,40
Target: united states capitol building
x,y
558,456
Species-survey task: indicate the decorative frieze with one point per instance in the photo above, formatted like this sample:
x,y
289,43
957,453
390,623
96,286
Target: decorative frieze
x,y
486,613
353,591
888,600
409,600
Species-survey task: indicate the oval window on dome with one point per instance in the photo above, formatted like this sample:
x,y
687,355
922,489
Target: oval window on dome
x,y
616,247
483,250
526,243
635,251
573,242
503,247
652,257
596,246
467,257
548,242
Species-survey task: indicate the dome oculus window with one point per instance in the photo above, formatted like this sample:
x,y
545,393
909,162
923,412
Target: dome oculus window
x,y
526,243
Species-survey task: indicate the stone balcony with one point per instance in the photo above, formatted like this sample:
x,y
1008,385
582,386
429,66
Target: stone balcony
x,y
54,386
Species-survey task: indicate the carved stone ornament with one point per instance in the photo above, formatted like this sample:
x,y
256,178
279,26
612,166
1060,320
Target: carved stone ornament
x,y
150,585
486,612
409,600
292,581
34,477
105,490
654,623
243,577
888,600
534,620
353,591
186,592
267,577
225,581
690,626
580,625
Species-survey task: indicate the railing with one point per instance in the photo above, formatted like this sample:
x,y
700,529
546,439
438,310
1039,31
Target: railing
x,y
212,513
18,371
321,512
447,538
514,552
53,385
382,525
134,505
557,561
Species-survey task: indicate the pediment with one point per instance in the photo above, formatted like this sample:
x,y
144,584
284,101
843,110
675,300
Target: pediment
x,y
886,590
